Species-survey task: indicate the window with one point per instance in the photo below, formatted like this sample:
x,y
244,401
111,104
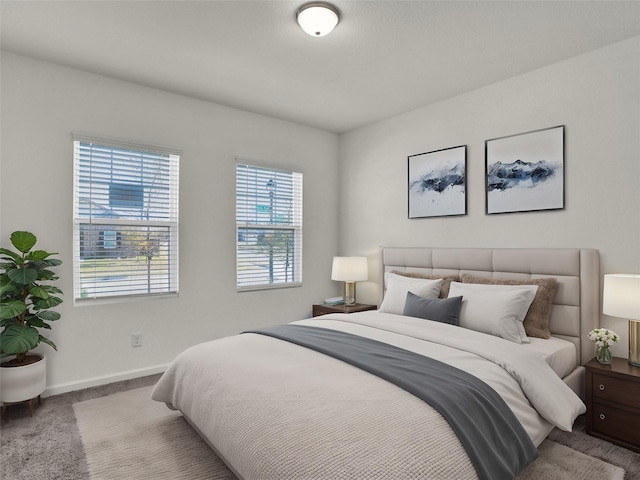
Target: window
x,y
269,228
125,208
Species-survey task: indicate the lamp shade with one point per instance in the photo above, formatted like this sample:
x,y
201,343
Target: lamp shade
x,y
621,296
317,18
350,269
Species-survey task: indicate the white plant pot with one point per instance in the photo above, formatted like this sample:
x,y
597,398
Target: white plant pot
x,y
18,384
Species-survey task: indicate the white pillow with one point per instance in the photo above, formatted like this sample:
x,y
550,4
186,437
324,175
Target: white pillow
x,y
498,312
498,288
397,287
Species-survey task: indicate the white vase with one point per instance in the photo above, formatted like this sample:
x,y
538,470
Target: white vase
x,y
18,384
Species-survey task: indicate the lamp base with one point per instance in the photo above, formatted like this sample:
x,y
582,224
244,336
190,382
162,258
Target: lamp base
x,y
349,293
634,343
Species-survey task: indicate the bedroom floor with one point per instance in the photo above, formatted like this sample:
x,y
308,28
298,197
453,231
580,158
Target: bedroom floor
x,y
48,445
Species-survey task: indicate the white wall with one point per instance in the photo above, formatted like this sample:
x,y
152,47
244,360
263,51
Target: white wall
x,y
43,103
596,96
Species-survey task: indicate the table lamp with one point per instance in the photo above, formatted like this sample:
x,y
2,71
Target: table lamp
x,y
349,270
621,298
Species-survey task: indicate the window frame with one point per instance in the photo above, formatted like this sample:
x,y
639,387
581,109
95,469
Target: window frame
x,y
296,225
171,224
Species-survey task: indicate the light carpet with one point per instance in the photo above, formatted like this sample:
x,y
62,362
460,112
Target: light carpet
x,y
127,435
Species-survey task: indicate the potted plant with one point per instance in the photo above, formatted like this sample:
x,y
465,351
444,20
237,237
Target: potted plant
x,y
25,303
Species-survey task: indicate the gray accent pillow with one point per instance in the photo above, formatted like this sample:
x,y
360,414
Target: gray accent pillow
x,y
445,310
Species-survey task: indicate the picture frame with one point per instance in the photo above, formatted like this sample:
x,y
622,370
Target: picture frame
x,y
525,172
437,183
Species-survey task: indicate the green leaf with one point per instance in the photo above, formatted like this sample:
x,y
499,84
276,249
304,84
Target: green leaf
x,y
48,342
23,241
23,276
42,264
13,255
38,264
48,315
51,288
8,265
8,321
46,275
16,339
12,308
8,289
38,291
36,322
38,255
48,303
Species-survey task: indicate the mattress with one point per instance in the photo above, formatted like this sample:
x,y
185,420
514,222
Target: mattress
x,y
559,354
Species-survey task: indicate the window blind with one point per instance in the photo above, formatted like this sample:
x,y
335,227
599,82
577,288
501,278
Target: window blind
x,y
269,227
125,219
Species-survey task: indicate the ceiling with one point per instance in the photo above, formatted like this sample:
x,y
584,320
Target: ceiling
x,y
384,57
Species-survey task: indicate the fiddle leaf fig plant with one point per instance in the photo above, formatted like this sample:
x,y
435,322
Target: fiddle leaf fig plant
x,y
25,297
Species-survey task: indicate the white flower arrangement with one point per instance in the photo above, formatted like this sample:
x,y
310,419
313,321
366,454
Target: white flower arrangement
x,y
603,337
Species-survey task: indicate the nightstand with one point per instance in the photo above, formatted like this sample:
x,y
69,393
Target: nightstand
x,y
613,402
325,309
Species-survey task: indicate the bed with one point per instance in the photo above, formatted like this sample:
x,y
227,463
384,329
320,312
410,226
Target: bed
x,y
273,409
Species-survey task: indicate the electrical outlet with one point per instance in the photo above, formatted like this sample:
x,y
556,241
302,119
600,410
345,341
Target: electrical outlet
x,y
136,339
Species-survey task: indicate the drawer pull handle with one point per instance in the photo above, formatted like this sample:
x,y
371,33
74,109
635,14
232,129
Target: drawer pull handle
x,y
601,387
602,417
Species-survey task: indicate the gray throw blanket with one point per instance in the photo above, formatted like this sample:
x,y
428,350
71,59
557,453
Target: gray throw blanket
x,y
494,439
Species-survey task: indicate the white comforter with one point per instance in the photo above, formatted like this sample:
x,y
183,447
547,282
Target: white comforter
x,y
274,410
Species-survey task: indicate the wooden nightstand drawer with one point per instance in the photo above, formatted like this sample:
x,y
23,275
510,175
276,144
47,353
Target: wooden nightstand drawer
x,y
616,423
616,390
613,402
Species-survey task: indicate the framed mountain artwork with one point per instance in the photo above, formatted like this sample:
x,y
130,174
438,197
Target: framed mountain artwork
x,y
525,172
438,182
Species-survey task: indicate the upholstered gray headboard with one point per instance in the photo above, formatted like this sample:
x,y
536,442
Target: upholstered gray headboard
x,y
576,307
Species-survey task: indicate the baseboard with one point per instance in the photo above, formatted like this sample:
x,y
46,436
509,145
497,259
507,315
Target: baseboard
x,y
104,380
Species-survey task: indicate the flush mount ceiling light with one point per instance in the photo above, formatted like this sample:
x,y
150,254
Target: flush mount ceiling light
x,y
317,18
